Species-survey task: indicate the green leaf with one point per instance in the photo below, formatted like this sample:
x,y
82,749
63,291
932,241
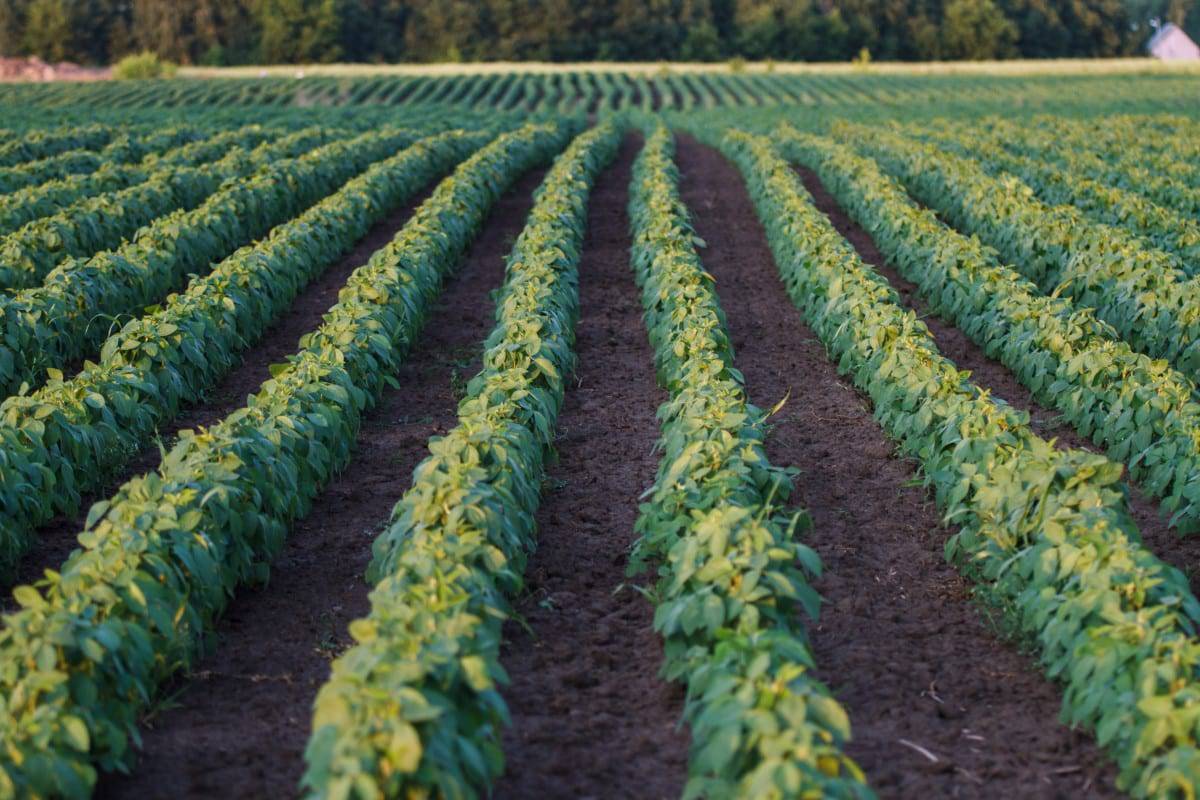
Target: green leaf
x,y
404,748
77,733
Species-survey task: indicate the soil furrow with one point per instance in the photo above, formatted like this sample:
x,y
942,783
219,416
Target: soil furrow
x,y
238,724
591,717
913,658
1182,552
656,98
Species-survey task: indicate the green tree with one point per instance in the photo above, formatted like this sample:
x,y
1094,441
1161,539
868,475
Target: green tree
x,y
299,31
373,30
697,36
226,32
245,31
642,27
12,27
810,33
444,30
1074,28
516,30
925,38
977,30
701,43
163,27
862,20
754,28
48,29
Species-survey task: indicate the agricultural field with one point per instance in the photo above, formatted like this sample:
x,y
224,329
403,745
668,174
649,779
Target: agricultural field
x,y
648,434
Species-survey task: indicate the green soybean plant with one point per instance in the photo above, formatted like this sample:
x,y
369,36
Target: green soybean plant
x,y
112,174
1162,226
1140,409
93,641
44,144
1137,289
127,149
97,223
734,577
413,708
1046,532
75,433
66,318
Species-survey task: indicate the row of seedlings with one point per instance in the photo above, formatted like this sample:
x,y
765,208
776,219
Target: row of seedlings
x,y
413,709
92,642
734,576
71,436
1161,178
97,223
1163,227
126,149
44,144
1045,532
1141,410
1137,289
65,319
42,200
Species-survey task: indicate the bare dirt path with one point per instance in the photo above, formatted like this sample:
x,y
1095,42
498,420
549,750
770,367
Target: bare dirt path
x,y
238,725
1181,552
900,640
591,717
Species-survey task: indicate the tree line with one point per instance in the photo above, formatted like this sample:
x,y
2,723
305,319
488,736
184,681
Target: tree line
x,y
219,32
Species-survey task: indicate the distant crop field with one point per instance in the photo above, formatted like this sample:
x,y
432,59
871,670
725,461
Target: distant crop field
x,y
888,91
651,431
1099,66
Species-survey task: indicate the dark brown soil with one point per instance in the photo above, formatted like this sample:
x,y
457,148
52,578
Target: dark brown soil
x,y
900,640
591,719
594,99
687,89
238,724
1182,552
656,98
635,94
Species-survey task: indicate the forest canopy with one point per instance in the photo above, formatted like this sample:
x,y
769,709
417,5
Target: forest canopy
x,y
218,32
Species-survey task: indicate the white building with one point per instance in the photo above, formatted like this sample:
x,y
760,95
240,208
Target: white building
x,y
1172,44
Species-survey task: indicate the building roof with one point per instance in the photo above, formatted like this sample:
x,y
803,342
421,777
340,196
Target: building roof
x,y
1171,42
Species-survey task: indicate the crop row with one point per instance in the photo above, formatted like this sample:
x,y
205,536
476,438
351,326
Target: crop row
x,y
63,320
1132,287
585,91
1142,411
24,206
138,112
53,324
91,644
125,149
1144,155
1164,144
97,223
733,573
67,438
1161,148
1112,205
43,144
413,708
1082,155
1045,531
